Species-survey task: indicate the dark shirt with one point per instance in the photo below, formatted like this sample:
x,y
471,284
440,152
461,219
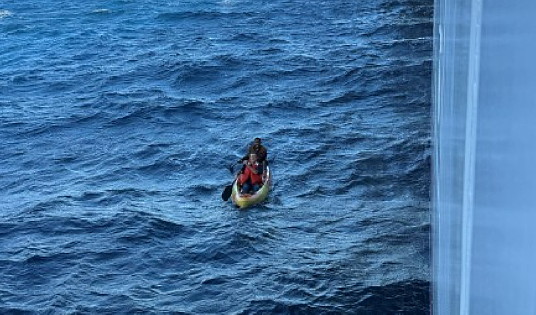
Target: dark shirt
x,y
259,150
258,168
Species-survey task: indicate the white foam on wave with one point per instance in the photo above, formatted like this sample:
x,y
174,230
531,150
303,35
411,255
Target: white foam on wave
x,y
227,2
101,11
5,13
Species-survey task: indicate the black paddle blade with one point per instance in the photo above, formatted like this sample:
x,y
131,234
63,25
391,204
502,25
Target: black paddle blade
x,y
227,192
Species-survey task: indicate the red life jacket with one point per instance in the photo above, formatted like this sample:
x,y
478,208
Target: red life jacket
x,y
256,179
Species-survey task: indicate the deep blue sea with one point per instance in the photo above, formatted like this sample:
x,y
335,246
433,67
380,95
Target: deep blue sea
x,y
120,121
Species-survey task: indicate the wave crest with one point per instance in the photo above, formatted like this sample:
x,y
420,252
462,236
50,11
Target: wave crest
x,y
5,13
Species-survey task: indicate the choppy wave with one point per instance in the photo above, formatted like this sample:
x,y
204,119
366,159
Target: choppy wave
x,y
120,126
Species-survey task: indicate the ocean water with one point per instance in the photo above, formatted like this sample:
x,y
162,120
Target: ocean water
x,y
119,124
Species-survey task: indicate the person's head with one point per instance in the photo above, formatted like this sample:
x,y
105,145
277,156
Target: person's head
x,y
256,142
253,157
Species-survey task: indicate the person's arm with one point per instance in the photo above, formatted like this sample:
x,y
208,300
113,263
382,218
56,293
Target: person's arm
x,y
264,154
257,170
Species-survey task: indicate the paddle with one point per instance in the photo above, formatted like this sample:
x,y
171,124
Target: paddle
x,y
228,190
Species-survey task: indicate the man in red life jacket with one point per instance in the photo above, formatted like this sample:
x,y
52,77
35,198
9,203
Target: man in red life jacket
x,y
251,176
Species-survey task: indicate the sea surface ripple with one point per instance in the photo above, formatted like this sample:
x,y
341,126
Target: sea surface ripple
x,y
119,124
